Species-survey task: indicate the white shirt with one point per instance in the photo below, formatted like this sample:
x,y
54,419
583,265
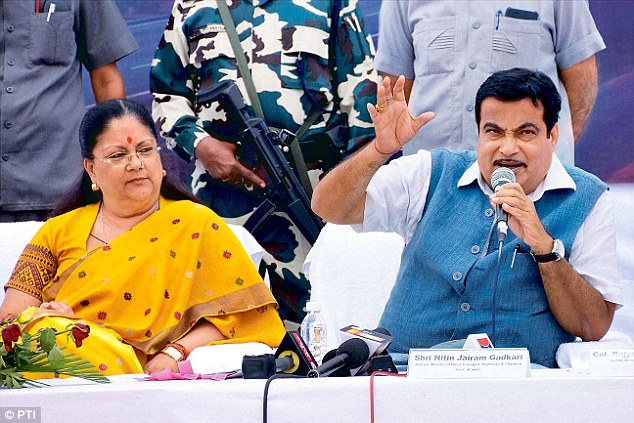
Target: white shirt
x,y
397,194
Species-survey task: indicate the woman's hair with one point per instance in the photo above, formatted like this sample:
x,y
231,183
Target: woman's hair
x,y
95,122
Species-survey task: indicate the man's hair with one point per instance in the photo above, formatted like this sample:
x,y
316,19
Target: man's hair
x,y
517,84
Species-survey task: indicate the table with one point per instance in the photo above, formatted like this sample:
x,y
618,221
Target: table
x,y
549,395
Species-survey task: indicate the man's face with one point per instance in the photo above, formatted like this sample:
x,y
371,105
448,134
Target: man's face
x,y
513,134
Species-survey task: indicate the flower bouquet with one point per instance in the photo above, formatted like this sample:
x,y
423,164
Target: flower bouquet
x,y
21,352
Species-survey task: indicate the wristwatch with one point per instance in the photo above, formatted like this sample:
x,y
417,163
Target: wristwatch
x,y
559,252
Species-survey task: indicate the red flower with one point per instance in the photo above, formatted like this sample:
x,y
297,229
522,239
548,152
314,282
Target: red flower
x,y
80,332
226,255
102,315
106,247
148,311
10,334
177,315
154,239
127,296
103,367
215,226
195,235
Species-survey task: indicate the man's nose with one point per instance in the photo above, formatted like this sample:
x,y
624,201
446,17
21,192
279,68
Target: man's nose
x,y
509,145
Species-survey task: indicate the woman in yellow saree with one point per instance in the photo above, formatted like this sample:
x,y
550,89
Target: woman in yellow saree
x,y
155,275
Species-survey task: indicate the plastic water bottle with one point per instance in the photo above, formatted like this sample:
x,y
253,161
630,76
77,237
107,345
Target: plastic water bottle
x,y
314,331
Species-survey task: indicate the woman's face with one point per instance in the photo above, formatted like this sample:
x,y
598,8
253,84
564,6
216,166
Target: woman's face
x,y
126,180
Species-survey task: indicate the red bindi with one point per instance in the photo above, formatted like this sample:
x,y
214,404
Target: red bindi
x,y
129,140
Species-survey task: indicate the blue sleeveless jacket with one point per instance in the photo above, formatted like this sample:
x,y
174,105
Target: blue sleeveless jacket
x,y
444,287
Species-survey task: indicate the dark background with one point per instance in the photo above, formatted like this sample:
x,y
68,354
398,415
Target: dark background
x,y
605,148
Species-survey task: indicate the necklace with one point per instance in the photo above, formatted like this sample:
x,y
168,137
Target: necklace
x,y
103,227
104,241
98,239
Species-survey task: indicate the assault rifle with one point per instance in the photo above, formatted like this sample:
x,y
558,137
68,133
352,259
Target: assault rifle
x,y
261,148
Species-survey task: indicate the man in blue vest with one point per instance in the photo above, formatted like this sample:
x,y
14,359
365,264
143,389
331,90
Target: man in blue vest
x,y
555,277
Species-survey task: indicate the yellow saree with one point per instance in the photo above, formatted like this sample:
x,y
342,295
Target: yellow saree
x,y
149,286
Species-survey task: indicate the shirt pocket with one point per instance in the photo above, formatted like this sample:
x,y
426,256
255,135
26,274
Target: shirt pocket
x,y
515,43
434,45
52,42
520,288
211,54
304,62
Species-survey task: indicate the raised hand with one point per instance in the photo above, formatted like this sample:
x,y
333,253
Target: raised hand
x,y
393,123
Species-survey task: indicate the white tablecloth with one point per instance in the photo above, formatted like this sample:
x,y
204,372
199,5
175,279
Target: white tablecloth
x,y
548,396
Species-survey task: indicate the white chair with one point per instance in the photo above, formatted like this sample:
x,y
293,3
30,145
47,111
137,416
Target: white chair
x,y
351,275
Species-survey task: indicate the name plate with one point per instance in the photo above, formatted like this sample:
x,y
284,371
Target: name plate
x,y
612,361
453,363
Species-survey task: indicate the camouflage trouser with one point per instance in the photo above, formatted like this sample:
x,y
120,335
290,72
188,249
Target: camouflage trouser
x,y
285,247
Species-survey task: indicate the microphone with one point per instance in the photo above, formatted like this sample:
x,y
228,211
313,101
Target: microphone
x,y
264,366
294,348
341,372
377,341
381,361
291,357
500,177
352,353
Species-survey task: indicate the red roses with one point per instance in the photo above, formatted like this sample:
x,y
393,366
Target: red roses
x,y
80,332
10,334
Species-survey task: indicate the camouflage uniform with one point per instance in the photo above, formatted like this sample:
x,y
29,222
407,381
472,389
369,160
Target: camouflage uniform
x,y
286,43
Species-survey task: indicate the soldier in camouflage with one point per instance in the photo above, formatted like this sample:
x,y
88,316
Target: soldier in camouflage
x,y
287,49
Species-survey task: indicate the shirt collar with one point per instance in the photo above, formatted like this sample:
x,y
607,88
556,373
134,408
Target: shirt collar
x,y
556,178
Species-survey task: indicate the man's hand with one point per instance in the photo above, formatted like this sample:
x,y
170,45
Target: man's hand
x,y
393,123
220,160
523,218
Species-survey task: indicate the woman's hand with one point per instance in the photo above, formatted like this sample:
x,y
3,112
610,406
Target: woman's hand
x,y
393,123
160,362
57,307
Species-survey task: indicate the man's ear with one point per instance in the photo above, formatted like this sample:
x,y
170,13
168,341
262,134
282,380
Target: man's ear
x,y
554,135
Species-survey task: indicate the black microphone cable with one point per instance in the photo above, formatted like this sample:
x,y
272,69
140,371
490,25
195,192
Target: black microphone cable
x,y
485,251
495,289
266,391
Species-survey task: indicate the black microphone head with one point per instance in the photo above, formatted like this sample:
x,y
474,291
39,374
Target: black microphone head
x,y
329,355
382,331
501,176
357,350
342,372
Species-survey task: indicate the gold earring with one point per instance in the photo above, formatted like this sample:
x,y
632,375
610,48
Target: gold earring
x,y
164,173
94,187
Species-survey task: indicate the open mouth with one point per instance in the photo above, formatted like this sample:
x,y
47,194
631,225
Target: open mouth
x,y
511,164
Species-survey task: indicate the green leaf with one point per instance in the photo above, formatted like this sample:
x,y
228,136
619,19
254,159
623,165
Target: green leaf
x,y
56,357
47,340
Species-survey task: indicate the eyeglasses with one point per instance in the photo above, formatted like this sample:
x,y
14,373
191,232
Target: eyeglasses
x,y
122,159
